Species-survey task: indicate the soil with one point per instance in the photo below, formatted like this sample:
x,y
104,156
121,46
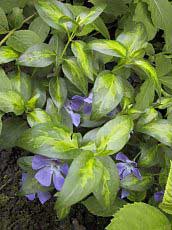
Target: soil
x,y
17,213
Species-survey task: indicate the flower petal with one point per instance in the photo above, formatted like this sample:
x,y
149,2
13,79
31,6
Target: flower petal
x,y
121,167
126,172
30,197
124,193
58,180
76,102
64,169
121,157
44,175
75,118
87,108
24,176
158,196
136,173
43,196
89,99
39,162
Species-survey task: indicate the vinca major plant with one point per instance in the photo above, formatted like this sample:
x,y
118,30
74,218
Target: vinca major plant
x,y
86,92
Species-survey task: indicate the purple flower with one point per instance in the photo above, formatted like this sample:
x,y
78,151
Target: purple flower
x,y
75,117
158,196
76,104
124,193
127,167
42,196
49,170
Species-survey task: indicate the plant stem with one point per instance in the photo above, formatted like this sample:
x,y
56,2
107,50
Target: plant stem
x,y
68,42
13,30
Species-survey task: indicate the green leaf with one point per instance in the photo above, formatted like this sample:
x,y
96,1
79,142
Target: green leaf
x,y
107,94
141,11
39,55
114,134
61,211
5,84
11,101
87,18
154,129
108,47
8,5
25,163
84,58
139,216
149,115
133,40
52,12
21,40
3,22
38,116
132,183
75,74
7,55
108,187
21,82
113,8
97,209
40,27
148,157
160,14
149,71
16,18
146,95
83,177
100,26
58,92
49,140
12,129
166,204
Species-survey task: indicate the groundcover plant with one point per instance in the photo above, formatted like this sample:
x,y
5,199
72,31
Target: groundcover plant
x,y
86,90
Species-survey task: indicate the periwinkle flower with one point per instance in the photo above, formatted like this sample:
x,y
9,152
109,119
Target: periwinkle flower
x,y
158,196
48,170
76,104
124,193
127,167
42,196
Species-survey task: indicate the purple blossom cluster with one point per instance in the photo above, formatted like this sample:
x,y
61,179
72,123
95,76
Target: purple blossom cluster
x,y
49,172
77,104
125,168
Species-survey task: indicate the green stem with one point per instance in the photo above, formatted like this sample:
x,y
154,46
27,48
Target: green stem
x,y
13,30
68,42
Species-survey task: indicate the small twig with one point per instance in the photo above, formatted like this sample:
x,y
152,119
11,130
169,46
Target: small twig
x,y
13,30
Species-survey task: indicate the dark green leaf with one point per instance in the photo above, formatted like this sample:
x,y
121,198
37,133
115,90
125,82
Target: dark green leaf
x,y
49,140
108,47
107,94
84,58
52,12
154,129
38,116
114,134
7,54
12,129
108,187
11,101
40,27
37,56
75,74
58,92
83,177
3,22
21,40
